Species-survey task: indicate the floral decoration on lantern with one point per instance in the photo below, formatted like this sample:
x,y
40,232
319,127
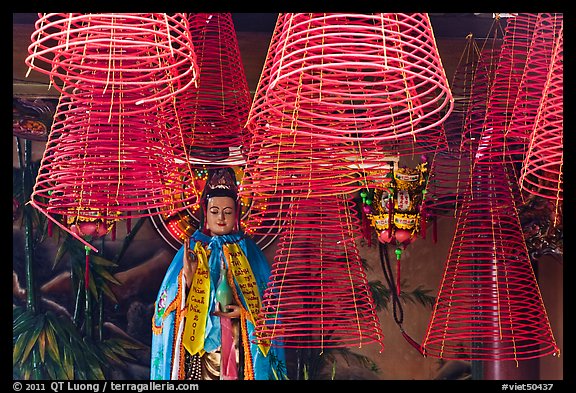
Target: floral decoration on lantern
x,y
394,209
91,228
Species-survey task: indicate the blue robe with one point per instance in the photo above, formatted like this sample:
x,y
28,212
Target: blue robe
x,y
167,349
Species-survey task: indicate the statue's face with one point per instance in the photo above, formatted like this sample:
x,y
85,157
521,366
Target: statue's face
x,y
220,215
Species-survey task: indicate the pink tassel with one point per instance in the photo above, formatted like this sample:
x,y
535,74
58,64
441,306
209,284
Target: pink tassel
x,y
366,229
412,342
87,269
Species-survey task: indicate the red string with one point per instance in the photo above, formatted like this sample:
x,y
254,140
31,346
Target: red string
x,y
87,268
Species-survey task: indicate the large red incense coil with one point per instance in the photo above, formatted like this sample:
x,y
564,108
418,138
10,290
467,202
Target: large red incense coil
x,y
115,52
213,115
318,294
479,96
116,146
448,181
496,145
94,167
489,305
542,170
533,81
354,77
303,165
449,171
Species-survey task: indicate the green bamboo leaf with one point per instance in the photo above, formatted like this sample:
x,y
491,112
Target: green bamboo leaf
x,y
68,363
94,350
92,284
105,274
53,351
60,252
110,355
50,367
121,351
128,344
42,343
33,337
79,352
26,370
23,322
19,346
17,312
101,261
108,292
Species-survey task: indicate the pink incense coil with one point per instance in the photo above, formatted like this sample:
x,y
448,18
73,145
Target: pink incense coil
x,y
533,81
496,145
543,168
447,183
479,96
489,305
354,77
318,294
95,165
303,165
115,51
213,115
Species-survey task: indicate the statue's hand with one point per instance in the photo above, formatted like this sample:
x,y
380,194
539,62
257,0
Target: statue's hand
x,y
190,263
233,311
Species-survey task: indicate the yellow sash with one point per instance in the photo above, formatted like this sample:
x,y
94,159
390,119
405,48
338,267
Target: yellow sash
x,y
197,304
238,264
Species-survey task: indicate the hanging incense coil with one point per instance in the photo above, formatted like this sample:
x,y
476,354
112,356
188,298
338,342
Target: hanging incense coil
x,y
116,145
542,170
533,82
489,305
450,170
213,115
110,53
495,144
448,182
354,77
461,88
479,96
318,294
90,163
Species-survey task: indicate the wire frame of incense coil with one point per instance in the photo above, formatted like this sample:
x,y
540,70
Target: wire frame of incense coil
x,y
113,52
480,93
513,55
448,181
534,79
318,294
542,170
354,77
461,88
489,305
214,114
97,166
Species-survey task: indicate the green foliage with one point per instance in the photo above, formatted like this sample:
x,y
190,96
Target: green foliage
x,y
382,295
63,353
